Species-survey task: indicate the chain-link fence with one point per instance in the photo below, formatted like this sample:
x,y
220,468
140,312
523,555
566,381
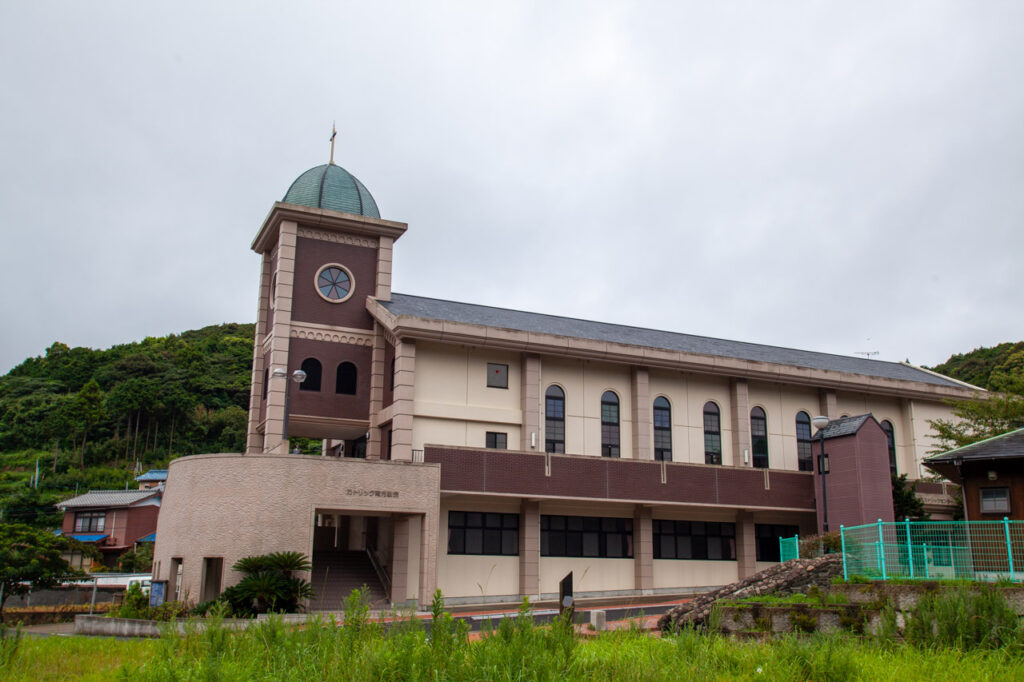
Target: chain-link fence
x,y
969,550
789,548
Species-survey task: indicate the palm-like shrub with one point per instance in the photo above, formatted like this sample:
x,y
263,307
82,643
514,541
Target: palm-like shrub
x,y
269,584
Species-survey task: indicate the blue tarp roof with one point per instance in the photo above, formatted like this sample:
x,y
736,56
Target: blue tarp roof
x,y
148,538
153,475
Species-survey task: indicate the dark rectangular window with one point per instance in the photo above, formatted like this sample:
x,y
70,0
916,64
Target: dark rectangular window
x,y
497,375
483,533
496,440
586,536
694,540
767,537
995,500
90,522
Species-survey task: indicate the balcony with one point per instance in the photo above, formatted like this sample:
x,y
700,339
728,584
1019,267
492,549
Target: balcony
x,y
531,474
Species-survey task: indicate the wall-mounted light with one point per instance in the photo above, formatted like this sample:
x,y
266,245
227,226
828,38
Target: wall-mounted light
x,y
992,475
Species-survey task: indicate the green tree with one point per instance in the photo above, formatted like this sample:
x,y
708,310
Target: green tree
x,y
977,420
137,560
88,410
31,507
31,559
905,502
1008,376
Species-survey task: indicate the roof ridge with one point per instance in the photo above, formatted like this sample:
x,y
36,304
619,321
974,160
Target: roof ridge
x,y
666,331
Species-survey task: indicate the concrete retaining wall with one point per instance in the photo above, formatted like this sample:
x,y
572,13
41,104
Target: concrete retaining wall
x,y
130,627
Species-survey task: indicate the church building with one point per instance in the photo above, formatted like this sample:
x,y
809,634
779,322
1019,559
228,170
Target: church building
x,y
488,452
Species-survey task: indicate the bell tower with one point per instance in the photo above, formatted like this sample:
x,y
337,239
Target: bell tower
x,y
325,251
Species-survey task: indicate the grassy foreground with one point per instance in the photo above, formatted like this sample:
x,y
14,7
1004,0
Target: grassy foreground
x,y
517,650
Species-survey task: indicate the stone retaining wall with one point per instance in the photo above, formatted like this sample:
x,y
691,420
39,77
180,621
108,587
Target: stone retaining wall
x,y
792,577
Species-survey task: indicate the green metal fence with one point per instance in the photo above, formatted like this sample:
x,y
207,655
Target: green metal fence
x,y
969,550
789,548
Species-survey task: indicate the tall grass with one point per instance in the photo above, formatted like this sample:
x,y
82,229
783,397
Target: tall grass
x,y
965,618
517,649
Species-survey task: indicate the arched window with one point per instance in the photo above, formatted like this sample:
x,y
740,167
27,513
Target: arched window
x,y
554,420
610,425
712,434
804,446
313,370
662,429
759,438
345,383
890,435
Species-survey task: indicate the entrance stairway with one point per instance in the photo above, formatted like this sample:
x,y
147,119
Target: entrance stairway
x,y
337,573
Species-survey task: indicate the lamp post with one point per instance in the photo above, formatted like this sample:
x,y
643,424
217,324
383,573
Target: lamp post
x,y
823,468
298,376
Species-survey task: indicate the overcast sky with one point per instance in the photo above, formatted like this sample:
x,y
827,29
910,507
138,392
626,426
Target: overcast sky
x,y
841,177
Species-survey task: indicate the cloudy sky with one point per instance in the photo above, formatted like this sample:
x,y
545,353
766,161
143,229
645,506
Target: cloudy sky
x,y
842,177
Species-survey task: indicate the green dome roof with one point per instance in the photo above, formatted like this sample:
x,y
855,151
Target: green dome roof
x,y
334,188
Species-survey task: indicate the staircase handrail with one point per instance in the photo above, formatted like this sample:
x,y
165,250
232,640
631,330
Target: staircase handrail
x,y
382,575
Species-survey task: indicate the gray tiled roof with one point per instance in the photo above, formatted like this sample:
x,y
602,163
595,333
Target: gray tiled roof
x,y
107,498
468,313
844,426
1008,445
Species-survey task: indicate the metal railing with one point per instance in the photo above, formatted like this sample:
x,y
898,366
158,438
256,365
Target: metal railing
x,y
385,579
968,550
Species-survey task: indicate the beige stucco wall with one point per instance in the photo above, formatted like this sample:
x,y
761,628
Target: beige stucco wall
x,y
584,382
453,404
670,573
781,404
922,442
460,432
457,375
232,506
687,395
588,575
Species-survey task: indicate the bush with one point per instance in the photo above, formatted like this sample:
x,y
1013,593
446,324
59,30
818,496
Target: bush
x,y
136,605
268,584
964,619
814,546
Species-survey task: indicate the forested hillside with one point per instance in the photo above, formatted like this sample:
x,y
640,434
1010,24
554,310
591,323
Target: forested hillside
x,y
90,418
1000,368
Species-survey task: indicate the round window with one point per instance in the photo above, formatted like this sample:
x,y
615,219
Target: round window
x,y
334,283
